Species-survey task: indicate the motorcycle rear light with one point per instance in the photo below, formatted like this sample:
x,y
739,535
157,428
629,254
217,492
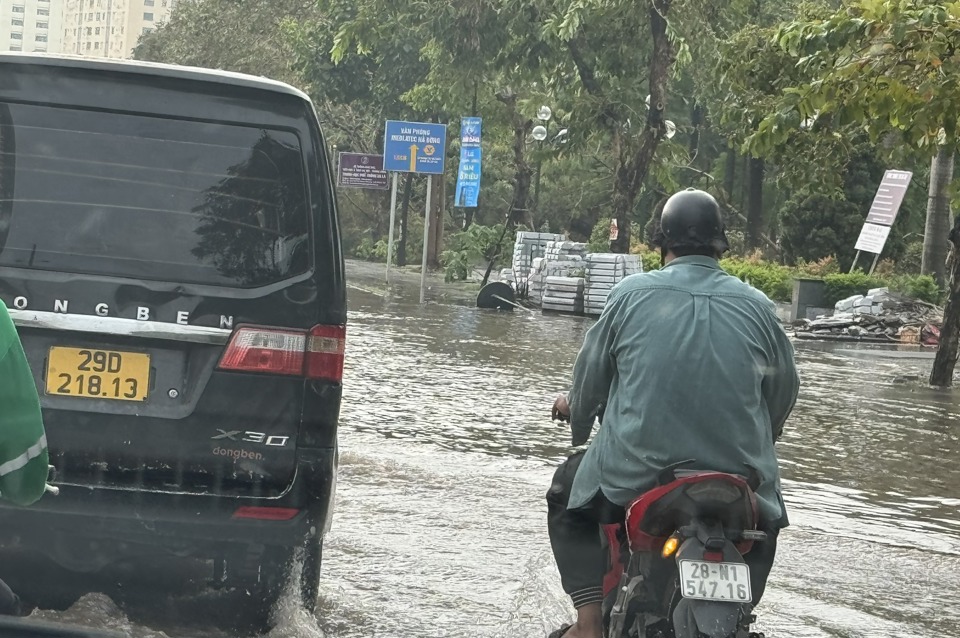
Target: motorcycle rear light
x,y
713,557
266,513
670,547
714,492
314,354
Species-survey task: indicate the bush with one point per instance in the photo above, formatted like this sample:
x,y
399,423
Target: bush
x,y
820,268
842,285
774,280
477,244
922,287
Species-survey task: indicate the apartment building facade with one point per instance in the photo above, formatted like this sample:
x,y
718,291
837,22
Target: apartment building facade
x,y
31,25
110,28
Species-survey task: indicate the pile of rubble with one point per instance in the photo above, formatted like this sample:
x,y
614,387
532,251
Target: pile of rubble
x,y
877,316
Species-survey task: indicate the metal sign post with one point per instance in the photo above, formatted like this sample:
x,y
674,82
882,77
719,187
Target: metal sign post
x,y
393,217
413,147
426,239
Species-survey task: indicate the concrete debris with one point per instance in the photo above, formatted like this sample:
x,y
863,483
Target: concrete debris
x,y
880,316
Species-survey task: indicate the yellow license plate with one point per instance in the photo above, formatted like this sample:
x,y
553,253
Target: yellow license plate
x,y
98,374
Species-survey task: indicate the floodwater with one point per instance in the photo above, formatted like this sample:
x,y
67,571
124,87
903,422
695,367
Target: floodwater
x,y
447,448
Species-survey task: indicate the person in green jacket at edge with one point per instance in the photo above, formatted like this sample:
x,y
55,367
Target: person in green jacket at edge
x,y
686,362
23,443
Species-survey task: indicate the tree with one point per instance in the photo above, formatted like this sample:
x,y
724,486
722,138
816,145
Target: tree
x,y
884,65
605,42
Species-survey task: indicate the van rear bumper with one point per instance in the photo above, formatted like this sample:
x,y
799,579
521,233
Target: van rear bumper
x,y
91,525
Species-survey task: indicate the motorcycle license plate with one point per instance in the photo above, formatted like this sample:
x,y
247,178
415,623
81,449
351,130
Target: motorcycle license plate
x,y
727,582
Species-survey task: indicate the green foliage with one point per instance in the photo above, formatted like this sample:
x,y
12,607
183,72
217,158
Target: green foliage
x,y
651,260
880,64
477,244
922,287
910,262
820,268
774,280
843,285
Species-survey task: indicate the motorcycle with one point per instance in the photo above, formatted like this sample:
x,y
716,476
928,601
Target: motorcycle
x,y
676,567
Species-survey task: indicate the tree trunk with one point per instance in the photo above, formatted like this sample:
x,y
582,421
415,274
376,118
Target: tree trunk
x,y
632,168
755,204
744,182
467,218
935,243
522,173
730,173
404,210
946,360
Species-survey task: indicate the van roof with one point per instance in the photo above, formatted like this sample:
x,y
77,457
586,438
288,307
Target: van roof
x,y
155,69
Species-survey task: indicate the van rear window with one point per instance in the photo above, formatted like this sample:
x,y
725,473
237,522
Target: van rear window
x,y
146,197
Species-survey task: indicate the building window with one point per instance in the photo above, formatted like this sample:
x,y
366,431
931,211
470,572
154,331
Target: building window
x,y
148,17
97,31
17,9
40,50
89,30
16,36
43,12
96,45
16,47
146,30
148,3
43,25
41,37
89,46
17,22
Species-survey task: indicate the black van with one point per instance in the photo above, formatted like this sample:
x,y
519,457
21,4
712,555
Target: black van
x,y
170,252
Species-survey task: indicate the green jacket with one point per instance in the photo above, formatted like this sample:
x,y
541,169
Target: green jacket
x,y
689,363
23,444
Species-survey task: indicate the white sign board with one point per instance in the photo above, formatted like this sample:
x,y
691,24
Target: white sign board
x,y
872,238
889,196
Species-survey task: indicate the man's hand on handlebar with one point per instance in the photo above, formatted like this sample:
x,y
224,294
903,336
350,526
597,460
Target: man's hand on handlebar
x,y
561,409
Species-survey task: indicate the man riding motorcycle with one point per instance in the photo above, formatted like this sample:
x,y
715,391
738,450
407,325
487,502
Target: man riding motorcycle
x,y
686,362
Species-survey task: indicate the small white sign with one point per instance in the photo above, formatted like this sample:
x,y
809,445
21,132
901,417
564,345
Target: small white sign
x,y
872,238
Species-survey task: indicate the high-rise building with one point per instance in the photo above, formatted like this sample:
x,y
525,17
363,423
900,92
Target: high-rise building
x,y
31,25
110,28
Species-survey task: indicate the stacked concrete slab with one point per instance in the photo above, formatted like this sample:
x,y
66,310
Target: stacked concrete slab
x,y
603,272
530,246
563,294
562,259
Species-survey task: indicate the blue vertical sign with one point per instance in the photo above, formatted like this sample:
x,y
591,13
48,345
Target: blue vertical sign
x,y
468,177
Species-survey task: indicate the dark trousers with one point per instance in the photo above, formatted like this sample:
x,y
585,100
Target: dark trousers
x,y
579,552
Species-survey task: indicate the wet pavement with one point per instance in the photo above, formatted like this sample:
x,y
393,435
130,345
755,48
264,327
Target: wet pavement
x,y
447,449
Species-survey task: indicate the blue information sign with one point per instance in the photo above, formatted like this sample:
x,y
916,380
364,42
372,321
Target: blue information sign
x,y
414,147
468,177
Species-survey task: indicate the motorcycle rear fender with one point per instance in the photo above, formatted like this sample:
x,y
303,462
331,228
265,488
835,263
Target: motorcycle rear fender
x,y
710,618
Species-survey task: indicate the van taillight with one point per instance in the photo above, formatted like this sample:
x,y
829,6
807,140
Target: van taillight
x,y
317,354
324,356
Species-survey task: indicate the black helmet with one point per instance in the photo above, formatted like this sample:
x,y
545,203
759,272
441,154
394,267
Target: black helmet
x,y
691,220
